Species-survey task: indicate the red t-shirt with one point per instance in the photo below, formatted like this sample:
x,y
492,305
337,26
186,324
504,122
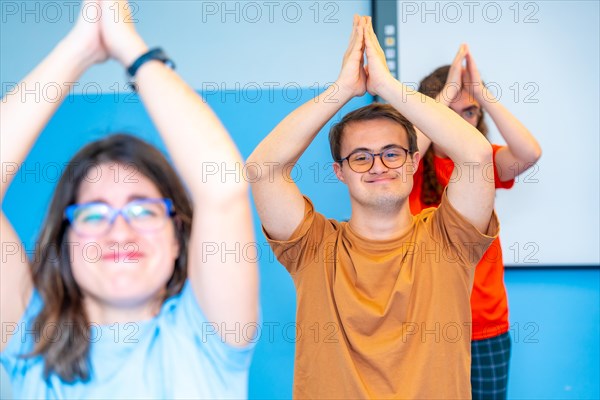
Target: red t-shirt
x,y
489,305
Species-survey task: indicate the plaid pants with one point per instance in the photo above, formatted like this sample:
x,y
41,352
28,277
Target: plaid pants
x,y
489,367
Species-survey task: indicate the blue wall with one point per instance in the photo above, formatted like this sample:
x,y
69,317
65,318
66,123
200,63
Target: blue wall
x,y
554,313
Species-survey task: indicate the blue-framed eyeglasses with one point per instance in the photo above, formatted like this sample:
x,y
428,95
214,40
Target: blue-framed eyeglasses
x,y
362,160
97,218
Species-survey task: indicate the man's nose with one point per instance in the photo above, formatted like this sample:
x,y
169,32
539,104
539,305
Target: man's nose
x,y
378,165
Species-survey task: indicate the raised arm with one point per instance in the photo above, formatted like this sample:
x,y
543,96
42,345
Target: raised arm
x,y
522,149
225,284
23,118
449,92
278,200
471,193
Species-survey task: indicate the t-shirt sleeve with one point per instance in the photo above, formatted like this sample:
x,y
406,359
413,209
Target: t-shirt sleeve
x,y
189,316
23,339
499,184
303,247
457,235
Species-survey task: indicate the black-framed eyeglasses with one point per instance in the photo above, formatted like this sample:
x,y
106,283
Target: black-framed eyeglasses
x,y
97,218
362,160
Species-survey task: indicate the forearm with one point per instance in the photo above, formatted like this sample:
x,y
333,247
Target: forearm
x,y
292,136
519,140
457,138
195,138
423,142
25,110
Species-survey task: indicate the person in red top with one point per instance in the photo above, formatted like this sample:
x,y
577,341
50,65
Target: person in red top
x,y
462,89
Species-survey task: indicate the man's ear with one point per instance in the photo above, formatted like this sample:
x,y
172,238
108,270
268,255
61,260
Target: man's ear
x,y
337,168
416,158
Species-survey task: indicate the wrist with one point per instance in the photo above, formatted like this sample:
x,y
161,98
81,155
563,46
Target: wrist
x,y
131,52
388,87
155,54
342,92
80,57
484,96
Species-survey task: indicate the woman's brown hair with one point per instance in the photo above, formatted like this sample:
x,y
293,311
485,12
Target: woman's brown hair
x,y
62,328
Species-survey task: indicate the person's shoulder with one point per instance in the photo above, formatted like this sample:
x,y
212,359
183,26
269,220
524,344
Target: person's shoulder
x,y
318,218
444,216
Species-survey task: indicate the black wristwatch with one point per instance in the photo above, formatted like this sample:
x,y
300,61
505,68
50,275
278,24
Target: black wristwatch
x,y
153,54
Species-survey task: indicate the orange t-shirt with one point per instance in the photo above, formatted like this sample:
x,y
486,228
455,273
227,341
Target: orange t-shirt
x,y
384,319
489,304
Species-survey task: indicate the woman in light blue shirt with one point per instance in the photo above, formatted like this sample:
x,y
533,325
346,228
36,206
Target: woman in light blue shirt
x,y
131,294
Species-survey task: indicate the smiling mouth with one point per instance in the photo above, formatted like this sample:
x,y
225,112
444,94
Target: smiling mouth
x,y
132,256
381,180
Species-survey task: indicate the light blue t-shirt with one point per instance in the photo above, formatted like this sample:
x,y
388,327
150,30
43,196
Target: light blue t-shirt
x,y
177,354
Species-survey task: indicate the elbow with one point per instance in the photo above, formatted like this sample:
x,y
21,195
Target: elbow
x,y
536,153
475,147
531,155
252,158
254,167
252,170
483,153
259,168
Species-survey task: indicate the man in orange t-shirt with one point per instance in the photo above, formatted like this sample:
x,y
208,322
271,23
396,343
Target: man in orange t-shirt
x,y
463,91
382,300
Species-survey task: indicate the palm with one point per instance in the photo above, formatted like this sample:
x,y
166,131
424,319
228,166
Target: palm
x,y
352,76
472,78
87,35
118,32
454,83
378,73
455,79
